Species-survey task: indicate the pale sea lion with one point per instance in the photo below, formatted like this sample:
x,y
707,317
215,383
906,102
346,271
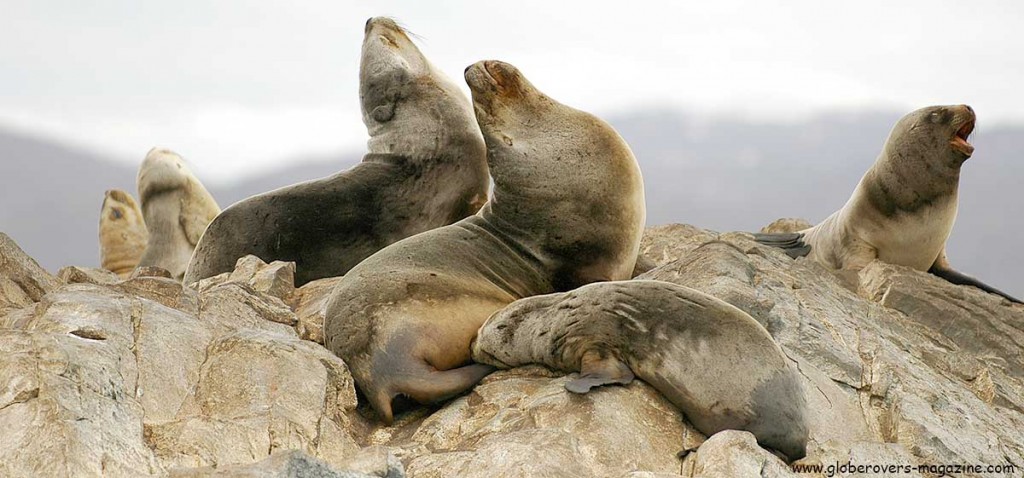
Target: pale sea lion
x,y
177,209
567,209
123,233
426,168
904,207
710,359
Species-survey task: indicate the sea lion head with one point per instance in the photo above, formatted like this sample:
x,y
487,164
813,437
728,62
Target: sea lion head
x,y
119,206
409,107
162,170
562,174
510,337
531,138
936,134
510,111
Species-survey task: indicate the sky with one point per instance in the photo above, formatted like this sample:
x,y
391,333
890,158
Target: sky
x,y
239,88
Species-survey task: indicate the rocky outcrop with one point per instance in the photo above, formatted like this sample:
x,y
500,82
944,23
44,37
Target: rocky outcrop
x,y
137,377
22,281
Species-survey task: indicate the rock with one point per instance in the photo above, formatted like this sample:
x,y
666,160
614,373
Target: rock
x,y
260,391
523,422
276,279
146,377
787,224
86,275
22,280
150,271
232,305
309,302
373,461
69,379
163,290
286,464
911,366
735,454
664,244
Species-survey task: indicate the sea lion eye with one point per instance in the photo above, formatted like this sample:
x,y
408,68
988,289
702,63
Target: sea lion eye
x,y
940,116
116,214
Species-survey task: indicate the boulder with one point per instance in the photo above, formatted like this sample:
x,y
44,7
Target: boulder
x,y
22,280
146,377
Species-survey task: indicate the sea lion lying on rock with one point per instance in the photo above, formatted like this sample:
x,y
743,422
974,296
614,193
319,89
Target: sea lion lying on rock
x,y
712,360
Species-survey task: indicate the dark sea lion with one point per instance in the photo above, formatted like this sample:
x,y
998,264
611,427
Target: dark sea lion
x,y
426,168
903,210
712,360
177,209
567,209
123,233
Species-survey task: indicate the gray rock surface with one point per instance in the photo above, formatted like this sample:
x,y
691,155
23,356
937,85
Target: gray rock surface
x,y
145,377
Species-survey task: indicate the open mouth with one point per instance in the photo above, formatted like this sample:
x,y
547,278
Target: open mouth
x,y
959,141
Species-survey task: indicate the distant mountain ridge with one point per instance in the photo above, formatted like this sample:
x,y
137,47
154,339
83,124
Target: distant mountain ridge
x,y
722,174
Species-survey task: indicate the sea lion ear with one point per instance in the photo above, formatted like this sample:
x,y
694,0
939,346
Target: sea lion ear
x,y
598,369
383,113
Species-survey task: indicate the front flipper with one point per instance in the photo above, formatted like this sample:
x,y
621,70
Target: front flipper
x,y
596,369
943,269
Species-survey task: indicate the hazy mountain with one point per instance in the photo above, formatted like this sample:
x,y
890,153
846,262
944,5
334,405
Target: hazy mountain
x,y
50,194
723,174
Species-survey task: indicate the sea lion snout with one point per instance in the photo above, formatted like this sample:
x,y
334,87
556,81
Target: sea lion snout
x,y
494,76
382,22
965,119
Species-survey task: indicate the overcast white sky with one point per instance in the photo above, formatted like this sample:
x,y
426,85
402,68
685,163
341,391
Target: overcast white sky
x,y
243,86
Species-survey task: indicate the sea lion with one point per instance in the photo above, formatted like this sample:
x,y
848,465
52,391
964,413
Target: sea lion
x,y
710,359
177,209
567,209
426,168
123,233
904,207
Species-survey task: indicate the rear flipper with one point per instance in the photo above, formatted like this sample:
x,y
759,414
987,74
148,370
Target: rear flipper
x,y
596,369
964,279
427,387
792,243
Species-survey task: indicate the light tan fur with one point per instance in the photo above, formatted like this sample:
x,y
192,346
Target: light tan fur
x,y
567,209
177,209
123,233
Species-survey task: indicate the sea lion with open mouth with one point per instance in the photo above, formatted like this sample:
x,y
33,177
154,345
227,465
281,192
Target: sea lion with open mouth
x,y
903,210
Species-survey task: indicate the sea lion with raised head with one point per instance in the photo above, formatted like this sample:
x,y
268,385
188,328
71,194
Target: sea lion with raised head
x,y
710,359
567,209
177,209
123,233
426,168
903,209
